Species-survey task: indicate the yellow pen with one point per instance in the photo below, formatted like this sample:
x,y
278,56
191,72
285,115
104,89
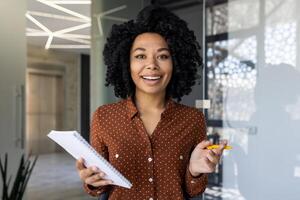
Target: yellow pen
x,y
215,146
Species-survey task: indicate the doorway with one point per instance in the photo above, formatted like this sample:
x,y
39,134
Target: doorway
x,y
44,108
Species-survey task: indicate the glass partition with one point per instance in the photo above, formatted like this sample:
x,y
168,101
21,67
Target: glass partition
x,y
253,82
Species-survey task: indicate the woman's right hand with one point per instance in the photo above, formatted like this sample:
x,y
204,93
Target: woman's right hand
x,y
91,175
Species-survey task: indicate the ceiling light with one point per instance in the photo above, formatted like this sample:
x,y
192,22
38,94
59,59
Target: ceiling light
x,y
53,16
83,40
37,34
60,8
74,28
115,18
59,46
50,38
88,37
73,39
104,15
36,22
71,2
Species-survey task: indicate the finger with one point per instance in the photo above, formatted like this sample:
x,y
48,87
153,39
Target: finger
x,y
212,157
85,173
211,167
218,152
225,142
203,144
79,164
94,178
102,183
220,149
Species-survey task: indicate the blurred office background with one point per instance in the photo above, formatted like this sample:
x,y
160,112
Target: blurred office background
x,y
52,77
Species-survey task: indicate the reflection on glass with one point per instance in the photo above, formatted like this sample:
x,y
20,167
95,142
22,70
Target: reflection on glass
x,y
217,192
231,16
217,19
280,44
254,85
231,73
293,110
280,31
238,138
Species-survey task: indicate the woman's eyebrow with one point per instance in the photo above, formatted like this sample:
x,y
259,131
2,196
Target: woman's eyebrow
x,y
163,49
143,49
139,48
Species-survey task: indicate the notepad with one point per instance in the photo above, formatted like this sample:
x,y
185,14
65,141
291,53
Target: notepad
x,y
78,147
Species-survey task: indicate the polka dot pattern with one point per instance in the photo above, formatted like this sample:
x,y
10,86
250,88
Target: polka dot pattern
x,y
156,164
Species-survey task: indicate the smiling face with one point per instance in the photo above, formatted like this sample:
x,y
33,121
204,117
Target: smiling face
x,y
150,64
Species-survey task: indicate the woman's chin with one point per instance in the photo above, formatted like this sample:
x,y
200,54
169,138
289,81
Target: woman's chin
x,y
152,91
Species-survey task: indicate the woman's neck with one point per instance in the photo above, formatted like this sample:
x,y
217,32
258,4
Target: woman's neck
x,y
150,103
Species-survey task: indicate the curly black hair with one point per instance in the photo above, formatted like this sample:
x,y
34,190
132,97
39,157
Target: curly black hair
x,y
181,40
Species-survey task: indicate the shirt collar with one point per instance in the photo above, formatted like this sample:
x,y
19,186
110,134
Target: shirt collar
x,y
132,109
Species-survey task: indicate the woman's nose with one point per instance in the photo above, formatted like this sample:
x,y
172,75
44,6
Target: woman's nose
x,y
152,64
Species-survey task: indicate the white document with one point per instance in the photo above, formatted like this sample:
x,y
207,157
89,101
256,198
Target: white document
x,y
78,147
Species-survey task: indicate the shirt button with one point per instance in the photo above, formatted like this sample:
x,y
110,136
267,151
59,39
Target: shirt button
x,y
150,180
181,157
193,182
117,155
150,198
149,159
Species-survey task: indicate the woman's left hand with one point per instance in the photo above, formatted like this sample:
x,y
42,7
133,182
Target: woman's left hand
x,y
204,160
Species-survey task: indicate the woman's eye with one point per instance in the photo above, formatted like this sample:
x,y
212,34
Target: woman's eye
x,y
140,56
163,57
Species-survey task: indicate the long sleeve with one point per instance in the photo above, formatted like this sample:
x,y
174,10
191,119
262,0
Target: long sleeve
x,y
97,143
197,185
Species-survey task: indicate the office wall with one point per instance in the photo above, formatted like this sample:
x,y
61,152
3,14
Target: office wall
x,y
12,77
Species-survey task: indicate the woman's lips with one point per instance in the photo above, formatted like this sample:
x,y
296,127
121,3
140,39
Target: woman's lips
x,y
151,80
151,77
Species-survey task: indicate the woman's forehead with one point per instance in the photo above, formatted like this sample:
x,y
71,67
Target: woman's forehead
x,y
149,40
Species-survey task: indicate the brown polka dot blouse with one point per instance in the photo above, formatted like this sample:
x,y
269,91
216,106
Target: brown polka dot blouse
x,y
156,165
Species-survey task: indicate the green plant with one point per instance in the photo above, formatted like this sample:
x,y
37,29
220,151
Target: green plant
x,y
23,174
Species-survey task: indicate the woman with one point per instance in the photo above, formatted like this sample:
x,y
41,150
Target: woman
x,y
158,144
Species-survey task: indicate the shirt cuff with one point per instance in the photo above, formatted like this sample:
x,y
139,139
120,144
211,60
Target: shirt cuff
x,y
95,191
195,185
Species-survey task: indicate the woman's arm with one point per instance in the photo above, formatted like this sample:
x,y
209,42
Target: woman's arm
x,y
99,145
196,185
202,161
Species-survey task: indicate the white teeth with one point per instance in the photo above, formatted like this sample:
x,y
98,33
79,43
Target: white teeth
x,y
151,77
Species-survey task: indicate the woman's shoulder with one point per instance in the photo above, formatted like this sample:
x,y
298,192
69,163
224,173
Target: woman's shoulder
x,y
111,109
189,110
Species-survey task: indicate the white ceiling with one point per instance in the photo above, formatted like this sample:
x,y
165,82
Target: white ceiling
x,y
59,24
